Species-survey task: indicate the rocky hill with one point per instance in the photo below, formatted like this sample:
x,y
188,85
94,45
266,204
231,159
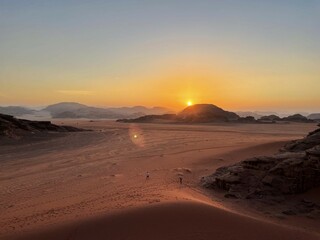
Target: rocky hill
x,y
77,110
151,119
198,113
270,118
296,118
11,126
206,113
295,169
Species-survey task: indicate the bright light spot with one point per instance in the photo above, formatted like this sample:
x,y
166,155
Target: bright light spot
x,y
135,136
189,103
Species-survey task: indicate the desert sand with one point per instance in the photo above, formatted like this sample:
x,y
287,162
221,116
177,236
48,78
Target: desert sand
x,y
92,185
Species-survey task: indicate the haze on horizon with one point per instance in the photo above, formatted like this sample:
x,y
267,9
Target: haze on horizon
x,y
259,55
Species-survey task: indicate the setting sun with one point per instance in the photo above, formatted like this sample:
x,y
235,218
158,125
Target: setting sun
x,y
189,103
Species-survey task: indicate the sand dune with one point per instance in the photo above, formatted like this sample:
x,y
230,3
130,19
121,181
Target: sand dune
x,y
177,220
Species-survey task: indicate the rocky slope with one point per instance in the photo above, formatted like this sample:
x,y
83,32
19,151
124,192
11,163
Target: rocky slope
x,y
11,126
295,169
206,113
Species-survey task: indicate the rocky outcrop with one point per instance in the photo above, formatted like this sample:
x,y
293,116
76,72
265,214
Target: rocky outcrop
x,y
270,118
11,126
198,113
308,142
206,113
295,169
150,118
248,119
291,118
296,118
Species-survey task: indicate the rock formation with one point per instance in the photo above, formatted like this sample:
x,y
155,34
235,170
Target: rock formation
x,y
11,126
295,169
206,113
296,118
151,118
198,113
270,118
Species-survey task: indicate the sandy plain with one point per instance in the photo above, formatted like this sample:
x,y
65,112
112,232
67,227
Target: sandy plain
x,y
92,185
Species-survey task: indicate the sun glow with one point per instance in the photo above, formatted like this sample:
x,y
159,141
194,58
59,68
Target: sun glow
x,y
189,103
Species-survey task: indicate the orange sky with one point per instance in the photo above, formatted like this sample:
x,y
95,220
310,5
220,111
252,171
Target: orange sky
x,y
241,56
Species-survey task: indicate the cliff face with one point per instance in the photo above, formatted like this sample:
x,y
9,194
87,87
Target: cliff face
x,y
11,126
295,169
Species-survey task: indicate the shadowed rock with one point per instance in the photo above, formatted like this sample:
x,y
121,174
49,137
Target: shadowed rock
x,y
11,126
295,169
297,118
206,113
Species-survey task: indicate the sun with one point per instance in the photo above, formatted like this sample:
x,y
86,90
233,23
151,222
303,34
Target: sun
x,y
189,103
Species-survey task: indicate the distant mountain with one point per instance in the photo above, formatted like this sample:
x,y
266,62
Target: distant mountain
x,y
164,118
64,106
314,116
198,113
296,118
265,113
291,118
16,110
249,114
77,110
141,110
270,118
206,113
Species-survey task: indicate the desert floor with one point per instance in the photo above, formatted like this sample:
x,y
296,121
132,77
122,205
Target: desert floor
x,y
92,185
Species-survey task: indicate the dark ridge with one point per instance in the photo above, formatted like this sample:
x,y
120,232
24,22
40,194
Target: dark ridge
x,y
11,126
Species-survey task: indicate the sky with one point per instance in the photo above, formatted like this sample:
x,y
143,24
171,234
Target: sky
x,y
239,55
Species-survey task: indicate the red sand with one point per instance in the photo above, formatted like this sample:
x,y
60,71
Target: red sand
x,y
92,185
178,220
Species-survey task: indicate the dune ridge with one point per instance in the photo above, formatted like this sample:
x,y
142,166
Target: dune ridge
x,y
172,220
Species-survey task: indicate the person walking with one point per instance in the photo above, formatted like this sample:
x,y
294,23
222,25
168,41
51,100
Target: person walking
x,y
147,176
